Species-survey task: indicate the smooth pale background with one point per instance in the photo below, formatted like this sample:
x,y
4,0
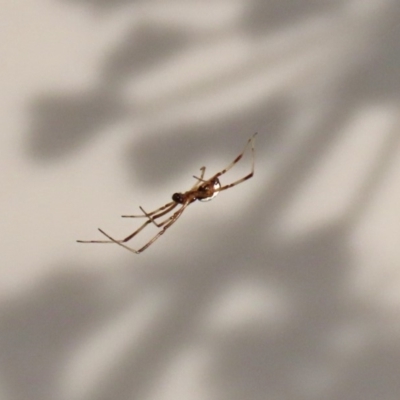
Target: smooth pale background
x,y
287,287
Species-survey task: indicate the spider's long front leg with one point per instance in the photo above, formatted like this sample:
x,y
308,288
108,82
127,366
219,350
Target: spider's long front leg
x,y
238,158
172,220
248,176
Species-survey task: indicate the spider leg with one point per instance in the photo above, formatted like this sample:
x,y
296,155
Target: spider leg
x,y
172,204
248,176
112,240
224,171
171,220
150,213
203,170
236,182
141,227
129,237
152,219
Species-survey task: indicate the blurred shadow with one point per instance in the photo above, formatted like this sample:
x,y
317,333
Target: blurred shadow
x,y
252,363
39,331
145,45
64,123
376,79
264,17
174,153
102,5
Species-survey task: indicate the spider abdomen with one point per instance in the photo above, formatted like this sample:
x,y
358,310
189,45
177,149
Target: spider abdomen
x,y
210,190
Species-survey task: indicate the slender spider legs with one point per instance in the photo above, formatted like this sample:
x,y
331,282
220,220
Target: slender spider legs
x,y
202,190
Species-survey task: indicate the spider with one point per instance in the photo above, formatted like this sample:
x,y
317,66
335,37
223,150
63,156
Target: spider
x,y
203,190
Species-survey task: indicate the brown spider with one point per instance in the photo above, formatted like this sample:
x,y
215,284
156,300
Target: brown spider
x,y
203,190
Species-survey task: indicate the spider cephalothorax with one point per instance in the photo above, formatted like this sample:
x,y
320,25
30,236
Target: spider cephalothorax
x,y
178,198
203,190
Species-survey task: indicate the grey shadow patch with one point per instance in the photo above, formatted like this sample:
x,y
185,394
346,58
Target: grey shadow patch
x,y
101,5
40,329
142,47
63,123
263,17
188,147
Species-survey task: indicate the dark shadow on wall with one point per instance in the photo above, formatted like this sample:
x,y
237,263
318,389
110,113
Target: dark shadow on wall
x,y
102,5
182,150
42,329
265,17
63,123
254,362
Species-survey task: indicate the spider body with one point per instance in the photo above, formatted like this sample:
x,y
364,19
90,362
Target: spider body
x,y
203,190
